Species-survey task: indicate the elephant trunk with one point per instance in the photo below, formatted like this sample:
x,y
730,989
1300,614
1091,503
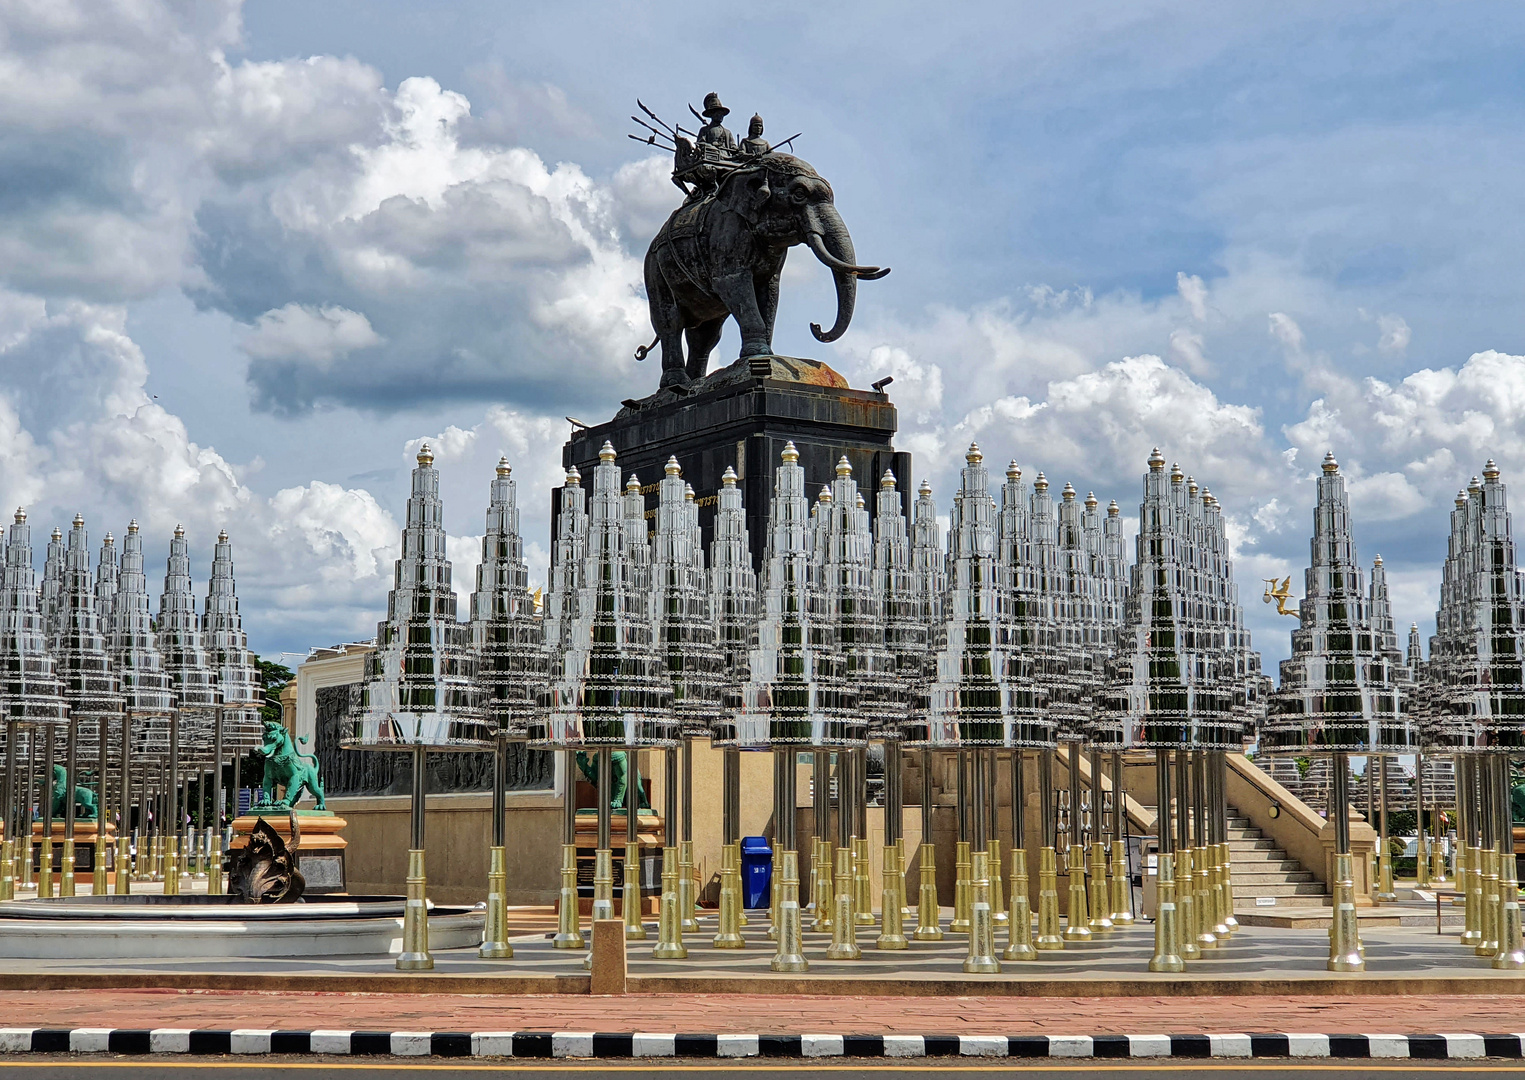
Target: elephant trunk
x,y
828,237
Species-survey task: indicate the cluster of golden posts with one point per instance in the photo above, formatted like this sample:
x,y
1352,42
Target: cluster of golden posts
x,y
866,651
112,715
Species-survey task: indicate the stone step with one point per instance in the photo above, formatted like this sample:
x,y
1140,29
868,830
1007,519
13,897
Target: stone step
x,y
1252,845
1304,888
1260,855
1289,877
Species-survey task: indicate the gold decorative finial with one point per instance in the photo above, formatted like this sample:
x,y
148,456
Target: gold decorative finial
x,y
728,478
1281,593
790,454
1068,493
1156,460
222,536
633,485
57,534
1377,561
606,452
1041,483
925,488
688,492
425,456
1176,475
179,532
1461,499
79,520
844,467
573,476
132,526
503,469
109,539
1490,471
1208,498
1330,465
861,502
1475,487
973,455
1191,486
825,495
1113,510
887,480
1013,471
1091,501
672,468
21,516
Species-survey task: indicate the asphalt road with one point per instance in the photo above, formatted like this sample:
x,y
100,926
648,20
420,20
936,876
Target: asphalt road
x,y
107,1068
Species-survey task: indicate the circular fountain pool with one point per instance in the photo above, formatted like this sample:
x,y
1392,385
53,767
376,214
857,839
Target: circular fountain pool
x,y
160,927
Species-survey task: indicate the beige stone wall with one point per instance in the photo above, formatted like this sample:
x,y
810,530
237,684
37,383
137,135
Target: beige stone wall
x,y
459,833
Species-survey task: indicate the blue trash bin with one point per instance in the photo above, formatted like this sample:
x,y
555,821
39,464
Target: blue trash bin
x,y
756,870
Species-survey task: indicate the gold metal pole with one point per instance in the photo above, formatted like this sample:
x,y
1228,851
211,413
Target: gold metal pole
x,y
981,958
1511,950
993,848
1422,852
1167,954
961,861
1122,886
892,892
1202,872
1186,906
1077,920
928,912
568,915
669,920
728,934
1344,934
71,758
1101,918
603,855
820,843
1385,893
1488,819
415,923
495,945
45,860
844,928
630,895
1049,935
790,955
686,900
123,868
1469,856
1019,921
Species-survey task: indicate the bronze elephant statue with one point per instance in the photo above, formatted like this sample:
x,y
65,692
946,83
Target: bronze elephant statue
x,y
722,256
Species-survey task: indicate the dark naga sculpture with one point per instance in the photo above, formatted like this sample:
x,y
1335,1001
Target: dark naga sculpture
x,y
264,870
721,253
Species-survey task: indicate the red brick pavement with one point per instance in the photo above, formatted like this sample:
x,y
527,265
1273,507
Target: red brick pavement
x,y
755,1013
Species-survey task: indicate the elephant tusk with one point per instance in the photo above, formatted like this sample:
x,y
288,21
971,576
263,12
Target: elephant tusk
x,y
868,273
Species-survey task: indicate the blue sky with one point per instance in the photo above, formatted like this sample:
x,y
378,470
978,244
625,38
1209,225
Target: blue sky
x,y
250,255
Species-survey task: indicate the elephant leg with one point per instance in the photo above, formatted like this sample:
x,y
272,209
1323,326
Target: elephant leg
x,y
667,321
767,303
702,340
740,296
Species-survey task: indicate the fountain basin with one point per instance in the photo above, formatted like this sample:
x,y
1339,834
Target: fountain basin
x,y
169,927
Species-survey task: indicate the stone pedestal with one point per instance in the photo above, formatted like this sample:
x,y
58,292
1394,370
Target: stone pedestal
x,y
320,854
741,416
648,835
84,845
1363,844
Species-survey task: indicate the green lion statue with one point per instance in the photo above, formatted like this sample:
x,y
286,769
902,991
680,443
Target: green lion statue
x,y
85,807
618,777
289,768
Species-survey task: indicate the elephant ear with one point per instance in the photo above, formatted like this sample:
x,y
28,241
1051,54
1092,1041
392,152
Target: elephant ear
x,y
756,196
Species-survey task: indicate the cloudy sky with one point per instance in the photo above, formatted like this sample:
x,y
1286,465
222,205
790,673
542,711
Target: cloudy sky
x,y
250,256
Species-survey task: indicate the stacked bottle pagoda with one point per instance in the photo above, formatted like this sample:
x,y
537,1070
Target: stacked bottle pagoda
x,y
1475,707
1340,691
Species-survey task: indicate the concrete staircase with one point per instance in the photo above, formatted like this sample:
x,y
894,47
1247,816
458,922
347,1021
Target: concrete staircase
x,y
1260,868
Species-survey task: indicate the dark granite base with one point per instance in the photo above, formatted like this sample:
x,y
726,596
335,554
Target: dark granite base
x,y
741,417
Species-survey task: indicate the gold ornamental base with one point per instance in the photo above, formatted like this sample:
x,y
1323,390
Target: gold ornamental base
x,y
1489,923
686,910
820,885
981,959
45,870
729,934
123,874
1049,936
7,870
568,918
1344,934
863,884
630,895
1076,926
1511,951
1202,879
66,870
1121,887
891,902
1186,908
1385,893
603,884
1167,953
1019,920
790,955
997,889
844,925
928,914
1101,919
960,923
415,919
1469,882
495,944
669,923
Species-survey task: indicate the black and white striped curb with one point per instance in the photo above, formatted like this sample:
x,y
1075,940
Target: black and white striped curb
x,y
589,1044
